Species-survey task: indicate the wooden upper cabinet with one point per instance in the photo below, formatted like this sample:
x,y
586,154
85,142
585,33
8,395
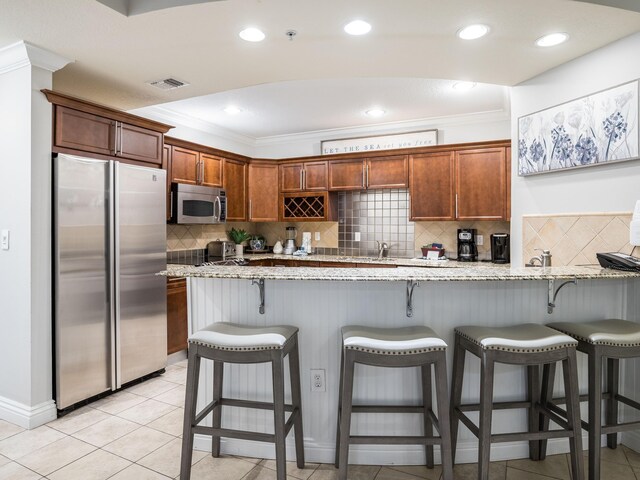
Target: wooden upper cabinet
x,y
298,177
387,172
481,185
431,183
346,175
235,185
138,143
291,177
211,170
263,192
315,176
83,131
184,165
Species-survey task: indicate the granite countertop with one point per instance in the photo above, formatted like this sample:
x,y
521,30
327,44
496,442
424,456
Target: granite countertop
x,y
402,273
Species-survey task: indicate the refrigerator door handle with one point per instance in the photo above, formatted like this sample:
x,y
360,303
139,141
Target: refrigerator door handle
x,y
112,282
116,273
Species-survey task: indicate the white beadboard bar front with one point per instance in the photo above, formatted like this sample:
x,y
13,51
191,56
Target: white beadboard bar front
x,y
319,308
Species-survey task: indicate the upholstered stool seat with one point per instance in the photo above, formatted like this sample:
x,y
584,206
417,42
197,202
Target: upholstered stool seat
x,y
612,340
416,346
233,343
530,345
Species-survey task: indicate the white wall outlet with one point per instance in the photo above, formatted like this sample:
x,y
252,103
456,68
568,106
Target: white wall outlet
x,y
317,236
356,237
479,240
318,380
4,239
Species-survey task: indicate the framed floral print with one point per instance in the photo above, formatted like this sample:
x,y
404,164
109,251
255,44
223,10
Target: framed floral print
x,y
592,130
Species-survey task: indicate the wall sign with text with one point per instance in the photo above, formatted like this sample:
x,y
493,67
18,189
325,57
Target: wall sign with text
x,y
381,142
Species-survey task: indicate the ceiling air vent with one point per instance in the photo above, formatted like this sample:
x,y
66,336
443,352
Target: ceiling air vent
x,y
168,84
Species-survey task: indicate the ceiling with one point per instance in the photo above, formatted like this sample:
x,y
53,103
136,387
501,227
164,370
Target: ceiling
x,y
115,55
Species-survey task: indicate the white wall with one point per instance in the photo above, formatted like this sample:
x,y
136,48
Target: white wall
x,y
25,210
606,188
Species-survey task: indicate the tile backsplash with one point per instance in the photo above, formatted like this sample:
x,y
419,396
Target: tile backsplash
x,y
575,239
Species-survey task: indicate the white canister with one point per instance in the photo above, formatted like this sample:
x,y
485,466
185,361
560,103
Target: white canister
x,y
239,250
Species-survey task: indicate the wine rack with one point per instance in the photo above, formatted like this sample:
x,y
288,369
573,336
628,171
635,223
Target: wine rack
x,y
307,207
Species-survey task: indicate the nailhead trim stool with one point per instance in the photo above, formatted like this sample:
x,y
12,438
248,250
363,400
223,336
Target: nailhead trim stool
x,y
530,345
611,339
227,342
417,346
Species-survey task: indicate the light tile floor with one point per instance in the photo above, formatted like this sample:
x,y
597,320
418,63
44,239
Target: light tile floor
x,y
135,435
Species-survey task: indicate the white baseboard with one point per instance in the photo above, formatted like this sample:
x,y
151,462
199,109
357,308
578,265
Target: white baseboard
x,y
379,454
631,440
26,416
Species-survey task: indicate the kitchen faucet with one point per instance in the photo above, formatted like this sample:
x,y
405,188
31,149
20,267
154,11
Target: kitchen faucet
x,y
382,247
544,258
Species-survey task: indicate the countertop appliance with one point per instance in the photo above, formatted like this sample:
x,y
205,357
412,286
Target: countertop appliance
x,y
467,249
195,204
290,242
220,250
110,307
500,248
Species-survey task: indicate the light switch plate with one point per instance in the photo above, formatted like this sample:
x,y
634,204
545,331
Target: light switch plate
x,y
480,240
4,239
317,235
356,237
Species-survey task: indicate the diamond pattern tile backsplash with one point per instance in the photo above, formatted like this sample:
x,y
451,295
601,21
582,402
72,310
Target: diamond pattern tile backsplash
x,y
575,239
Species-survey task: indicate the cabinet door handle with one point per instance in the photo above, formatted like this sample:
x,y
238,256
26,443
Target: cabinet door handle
x,y
116,142
367,175
456,205
364,185
304,179
121,139
250,210
202,171
301,180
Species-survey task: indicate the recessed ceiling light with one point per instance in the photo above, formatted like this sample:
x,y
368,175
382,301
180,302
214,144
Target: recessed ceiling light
x,y
252,34
232,110
375,112
463,86
552,39
472,32
357,27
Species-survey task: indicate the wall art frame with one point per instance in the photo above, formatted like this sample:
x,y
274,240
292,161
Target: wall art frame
x,y
597,129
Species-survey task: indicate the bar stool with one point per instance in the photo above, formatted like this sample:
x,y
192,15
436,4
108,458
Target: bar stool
x,y
530,345
417,346
611,339
227,342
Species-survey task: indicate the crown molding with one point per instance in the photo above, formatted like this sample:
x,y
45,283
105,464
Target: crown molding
x,y
23,54
166,114
387,128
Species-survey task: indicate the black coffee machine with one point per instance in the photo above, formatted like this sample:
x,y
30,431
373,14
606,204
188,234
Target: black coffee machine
x,y
467,250
500,248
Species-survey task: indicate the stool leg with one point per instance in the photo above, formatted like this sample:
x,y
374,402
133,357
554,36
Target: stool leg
x,y
427,401
486,407
533,396
294,374
193,372
345,416
340,387
595,412
613,377
548,378
443,417
570,373
218,371
277,370
456,394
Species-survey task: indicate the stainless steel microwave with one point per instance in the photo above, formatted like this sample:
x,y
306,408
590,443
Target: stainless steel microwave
x,y
195,204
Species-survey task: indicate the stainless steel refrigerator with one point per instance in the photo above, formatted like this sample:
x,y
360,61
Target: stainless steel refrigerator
x,y
110,318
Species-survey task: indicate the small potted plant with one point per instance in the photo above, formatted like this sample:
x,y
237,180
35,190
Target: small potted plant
x,y
238,236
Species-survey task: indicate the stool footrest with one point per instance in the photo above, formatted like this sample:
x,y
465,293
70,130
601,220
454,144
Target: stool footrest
x,y
230,433
387,409
236,402
474,407
620,427
408,440
511,437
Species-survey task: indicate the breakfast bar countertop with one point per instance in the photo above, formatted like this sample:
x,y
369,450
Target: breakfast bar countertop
x,y
472,272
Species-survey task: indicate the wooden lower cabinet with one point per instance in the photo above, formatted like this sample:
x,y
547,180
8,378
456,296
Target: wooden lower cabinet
x,y
177,329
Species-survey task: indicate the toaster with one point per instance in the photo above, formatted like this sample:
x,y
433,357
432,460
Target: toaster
x,y
220,250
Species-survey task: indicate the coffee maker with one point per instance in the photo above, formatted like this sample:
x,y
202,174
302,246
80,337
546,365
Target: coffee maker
x,y
500,249
467,250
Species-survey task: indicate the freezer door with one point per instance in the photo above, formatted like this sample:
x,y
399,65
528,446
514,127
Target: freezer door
x,y
82,319
141,252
